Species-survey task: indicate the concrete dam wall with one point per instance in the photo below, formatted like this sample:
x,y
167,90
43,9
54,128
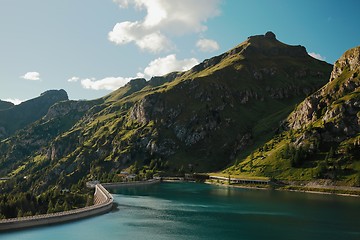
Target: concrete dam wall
x,y
103,202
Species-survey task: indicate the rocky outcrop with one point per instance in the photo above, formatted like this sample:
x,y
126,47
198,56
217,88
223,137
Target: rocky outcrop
x,y
66,107
305,113
350,60
143,110
335,107
319,104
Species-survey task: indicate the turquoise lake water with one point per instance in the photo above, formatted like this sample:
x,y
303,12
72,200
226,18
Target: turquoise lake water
x,y
200,211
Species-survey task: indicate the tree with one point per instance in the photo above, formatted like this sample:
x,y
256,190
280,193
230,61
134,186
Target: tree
x,y
286,151
152,164
320,170
66,206
182,169
296,159
330,155
89,201
251,162
357,179
50,207
135,169
58,207
148,174
20,213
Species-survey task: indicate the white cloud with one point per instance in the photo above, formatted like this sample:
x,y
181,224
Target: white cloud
x,y
34,76
15,101
317,56
154,42
73,79
127,32
207,45
140,75
163,19
108,83
157,67
162,66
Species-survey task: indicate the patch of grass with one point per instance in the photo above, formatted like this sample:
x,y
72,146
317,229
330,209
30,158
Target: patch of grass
x,y
17,170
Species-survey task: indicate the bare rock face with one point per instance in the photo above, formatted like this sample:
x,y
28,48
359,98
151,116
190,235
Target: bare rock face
x,y
64,108
337,104
350,60
305,113
143,110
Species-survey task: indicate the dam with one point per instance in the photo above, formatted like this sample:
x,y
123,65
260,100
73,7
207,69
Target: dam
x,y
103,203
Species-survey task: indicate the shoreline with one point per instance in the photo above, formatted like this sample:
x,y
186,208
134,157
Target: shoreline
x,y
288,190
319,192
103,202
129,184
325,192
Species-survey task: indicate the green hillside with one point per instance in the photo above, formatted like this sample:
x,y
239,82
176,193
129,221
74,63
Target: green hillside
x,y
321,140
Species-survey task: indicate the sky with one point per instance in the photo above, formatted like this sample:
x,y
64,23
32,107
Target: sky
x,y
92,47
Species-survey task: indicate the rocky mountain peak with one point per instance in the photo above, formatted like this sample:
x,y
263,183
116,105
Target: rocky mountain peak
x,y
137,82
350,60
49,98
268,45
255,47
60,92
270,35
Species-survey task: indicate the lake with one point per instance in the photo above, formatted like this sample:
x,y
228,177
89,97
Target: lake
x,y
200,211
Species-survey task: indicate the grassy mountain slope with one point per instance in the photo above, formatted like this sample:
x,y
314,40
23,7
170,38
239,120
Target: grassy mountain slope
x,y
200,120
321,138
19,116
206,116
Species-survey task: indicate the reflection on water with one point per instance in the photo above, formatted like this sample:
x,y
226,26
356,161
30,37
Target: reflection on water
x,y
199,211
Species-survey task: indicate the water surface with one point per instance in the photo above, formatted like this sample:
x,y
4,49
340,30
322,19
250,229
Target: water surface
x,y
199,211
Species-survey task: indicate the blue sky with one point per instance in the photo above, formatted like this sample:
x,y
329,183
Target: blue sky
x,y
91,47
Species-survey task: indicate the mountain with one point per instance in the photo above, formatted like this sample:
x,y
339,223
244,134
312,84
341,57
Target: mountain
x,y
5,105
200,120
19,116
321,138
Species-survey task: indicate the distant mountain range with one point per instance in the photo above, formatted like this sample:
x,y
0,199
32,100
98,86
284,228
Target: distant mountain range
x,y
5,105
229,112
15,117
